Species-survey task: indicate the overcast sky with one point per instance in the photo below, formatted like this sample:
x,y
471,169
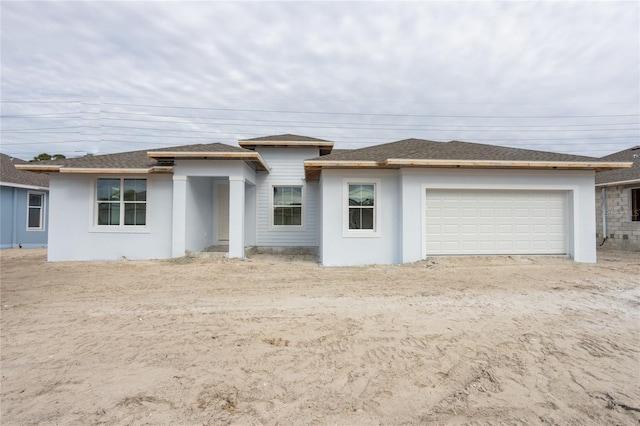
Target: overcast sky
x,y
104,77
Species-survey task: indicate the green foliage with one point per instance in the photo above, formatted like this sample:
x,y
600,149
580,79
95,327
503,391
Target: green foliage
x,y
44,157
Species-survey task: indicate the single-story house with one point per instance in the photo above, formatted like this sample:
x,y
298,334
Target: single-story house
x,y
392,203
23,205
618,203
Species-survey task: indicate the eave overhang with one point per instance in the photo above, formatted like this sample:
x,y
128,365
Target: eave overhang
x,y
621,182
314,167
250,157
92,170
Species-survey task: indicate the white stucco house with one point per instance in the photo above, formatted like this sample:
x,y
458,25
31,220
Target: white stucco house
x,y
392,203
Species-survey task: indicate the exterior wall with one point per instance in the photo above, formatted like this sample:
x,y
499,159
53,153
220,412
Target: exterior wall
x,y
287,168
74,236
401,238
13,219
199,213
340,250
622,232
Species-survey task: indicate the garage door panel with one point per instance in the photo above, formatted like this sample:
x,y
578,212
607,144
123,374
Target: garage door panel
x,y
495,222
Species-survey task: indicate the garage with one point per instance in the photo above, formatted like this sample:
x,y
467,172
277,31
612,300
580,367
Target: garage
x,y
459,222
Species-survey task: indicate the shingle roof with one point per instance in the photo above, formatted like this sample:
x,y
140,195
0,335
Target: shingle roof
x,y
210,147
135,159
120,160
621,175
425,153
288,140
284,138
419,149
9,174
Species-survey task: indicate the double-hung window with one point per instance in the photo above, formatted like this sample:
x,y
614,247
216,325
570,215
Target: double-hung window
x,y
287,205
362,205
361,208
35,211
121,202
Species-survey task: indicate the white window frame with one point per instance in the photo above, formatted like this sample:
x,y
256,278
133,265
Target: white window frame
x,y
377,208
42,210
121,228
300,227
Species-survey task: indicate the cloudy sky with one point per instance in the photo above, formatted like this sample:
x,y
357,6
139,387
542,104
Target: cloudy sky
x,y
103,77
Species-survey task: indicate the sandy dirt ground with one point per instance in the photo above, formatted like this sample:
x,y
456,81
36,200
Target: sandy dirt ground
x,y
279,340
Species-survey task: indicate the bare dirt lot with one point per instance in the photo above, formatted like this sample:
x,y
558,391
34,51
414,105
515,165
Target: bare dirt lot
x,y
281,340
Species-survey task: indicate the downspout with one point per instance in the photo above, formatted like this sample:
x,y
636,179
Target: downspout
x,y
603,197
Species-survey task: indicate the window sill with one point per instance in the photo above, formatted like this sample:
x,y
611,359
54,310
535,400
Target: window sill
x,y
120,229
287,228
360,234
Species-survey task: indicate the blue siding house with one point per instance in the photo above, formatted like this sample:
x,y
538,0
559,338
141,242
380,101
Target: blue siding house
x,y
23,206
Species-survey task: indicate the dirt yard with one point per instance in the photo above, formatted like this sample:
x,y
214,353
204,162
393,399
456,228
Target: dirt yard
x,y
280,340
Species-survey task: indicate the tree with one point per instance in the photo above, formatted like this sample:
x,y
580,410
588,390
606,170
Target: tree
x,y
44,157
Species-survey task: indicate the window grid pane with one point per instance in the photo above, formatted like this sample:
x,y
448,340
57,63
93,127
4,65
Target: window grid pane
x,y
287,205
108,213
35,200
287,216
108,189
34,217
361,218
135,213
135,190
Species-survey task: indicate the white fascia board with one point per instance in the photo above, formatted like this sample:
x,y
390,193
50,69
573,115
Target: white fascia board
x,y
19,185
621,182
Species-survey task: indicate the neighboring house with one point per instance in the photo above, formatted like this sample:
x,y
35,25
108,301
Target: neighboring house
x,y
393,203
621,210
23,205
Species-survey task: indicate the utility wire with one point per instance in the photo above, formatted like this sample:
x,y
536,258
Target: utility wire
x,y
370,114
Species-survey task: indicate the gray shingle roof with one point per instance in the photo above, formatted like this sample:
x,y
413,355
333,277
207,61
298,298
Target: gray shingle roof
x,y
284,138
136,159
621,175
420,149
210,147
9,174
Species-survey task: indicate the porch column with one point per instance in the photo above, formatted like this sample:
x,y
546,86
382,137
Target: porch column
x,y
236,216
179,225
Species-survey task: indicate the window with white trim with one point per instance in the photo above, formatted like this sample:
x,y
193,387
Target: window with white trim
x,y
35,211
287,205
121,202
362,206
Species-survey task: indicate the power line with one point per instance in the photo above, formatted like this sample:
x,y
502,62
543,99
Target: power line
x,y
370,114
334,123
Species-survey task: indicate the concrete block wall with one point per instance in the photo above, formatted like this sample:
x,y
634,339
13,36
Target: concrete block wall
x,y
623,233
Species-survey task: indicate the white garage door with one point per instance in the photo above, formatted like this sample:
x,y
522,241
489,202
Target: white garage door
x,y
495,222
